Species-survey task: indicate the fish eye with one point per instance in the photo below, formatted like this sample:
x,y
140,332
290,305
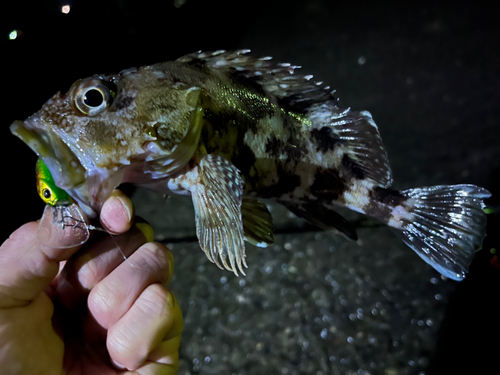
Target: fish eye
x,y
93,96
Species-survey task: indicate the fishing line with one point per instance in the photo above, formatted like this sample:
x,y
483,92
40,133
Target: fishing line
x,y
125,258
63,227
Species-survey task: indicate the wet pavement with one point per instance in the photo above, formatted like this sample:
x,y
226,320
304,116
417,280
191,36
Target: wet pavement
x,y
315,303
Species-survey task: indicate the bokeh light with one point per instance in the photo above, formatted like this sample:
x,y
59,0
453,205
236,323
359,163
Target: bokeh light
x,y
65,9
14,34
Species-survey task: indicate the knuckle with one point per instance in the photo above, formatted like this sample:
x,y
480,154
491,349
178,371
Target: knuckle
x,y
153,301
102,299
154,255
88,272
120,346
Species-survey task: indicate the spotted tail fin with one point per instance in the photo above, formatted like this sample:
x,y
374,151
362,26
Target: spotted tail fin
x,y
444,225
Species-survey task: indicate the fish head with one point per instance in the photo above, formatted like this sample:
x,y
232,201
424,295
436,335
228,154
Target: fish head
x,y
129,127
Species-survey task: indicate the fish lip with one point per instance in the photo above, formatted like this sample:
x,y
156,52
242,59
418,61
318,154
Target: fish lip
x,y
63,164
86,184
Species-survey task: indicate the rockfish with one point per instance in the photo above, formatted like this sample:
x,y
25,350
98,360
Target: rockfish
x,y
226,128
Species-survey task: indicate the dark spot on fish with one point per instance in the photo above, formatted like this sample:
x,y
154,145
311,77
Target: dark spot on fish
x,y
292,103
198,64
382,201
248,81
327,185
276,147
244,160
388,197
123,102
240,155
301,103
353,167
287,182
325,139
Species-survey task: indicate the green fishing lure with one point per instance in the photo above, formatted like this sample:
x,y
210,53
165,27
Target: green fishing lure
x,y
62,224
47,189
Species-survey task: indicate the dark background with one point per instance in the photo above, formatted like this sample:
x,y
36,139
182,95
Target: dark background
x,y
428,73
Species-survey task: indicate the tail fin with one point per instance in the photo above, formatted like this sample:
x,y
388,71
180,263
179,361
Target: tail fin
x,y
446,226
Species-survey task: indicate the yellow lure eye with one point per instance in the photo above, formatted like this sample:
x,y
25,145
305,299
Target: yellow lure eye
x,y
46,193
92,96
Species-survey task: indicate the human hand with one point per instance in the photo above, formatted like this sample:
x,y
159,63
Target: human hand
x,y
91,312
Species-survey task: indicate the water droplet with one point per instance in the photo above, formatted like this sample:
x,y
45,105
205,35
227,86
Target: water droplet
x,y
361,60
207,359
223,280
324,333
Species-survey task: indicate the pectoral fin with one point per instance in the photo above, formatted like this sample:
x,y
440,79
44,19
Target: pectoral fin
x,y
162,163
217,198
257,223
324,218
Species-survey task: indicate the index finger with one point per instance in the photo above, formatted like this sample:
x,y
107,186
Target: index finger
x,y
27,266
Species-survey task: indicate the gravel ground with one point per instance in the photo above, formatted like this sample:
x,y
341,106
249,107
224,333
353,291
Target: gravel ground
x,y
313,303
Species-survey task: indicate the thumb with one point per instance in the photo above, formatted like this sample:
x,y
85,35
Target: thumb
x,y
28,267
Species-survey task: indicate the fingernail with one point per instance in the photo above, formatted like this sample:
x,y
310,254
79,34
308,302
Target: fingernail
x,y
127,204
170,267
170,299
118,365
146,230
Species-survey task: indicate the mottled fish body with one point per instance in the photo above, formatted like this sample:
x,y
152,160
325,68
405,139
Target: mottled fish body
x,y
226,128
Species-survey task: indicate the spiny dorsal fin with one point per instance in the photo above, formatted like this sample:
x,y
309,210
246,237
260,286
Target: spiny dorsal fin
x,y
277,79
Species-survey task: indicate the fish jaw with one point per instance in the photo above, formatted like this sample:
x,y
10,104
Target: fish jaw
x,y
88,184
63,164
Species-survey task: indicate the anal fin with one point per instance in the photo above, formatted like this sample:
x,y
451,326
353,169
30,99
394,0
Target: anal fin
x,y
324,218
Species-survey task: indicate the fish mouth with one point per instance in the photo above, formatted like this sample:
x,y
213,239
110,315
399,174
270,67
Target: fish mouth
x,y
63,164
